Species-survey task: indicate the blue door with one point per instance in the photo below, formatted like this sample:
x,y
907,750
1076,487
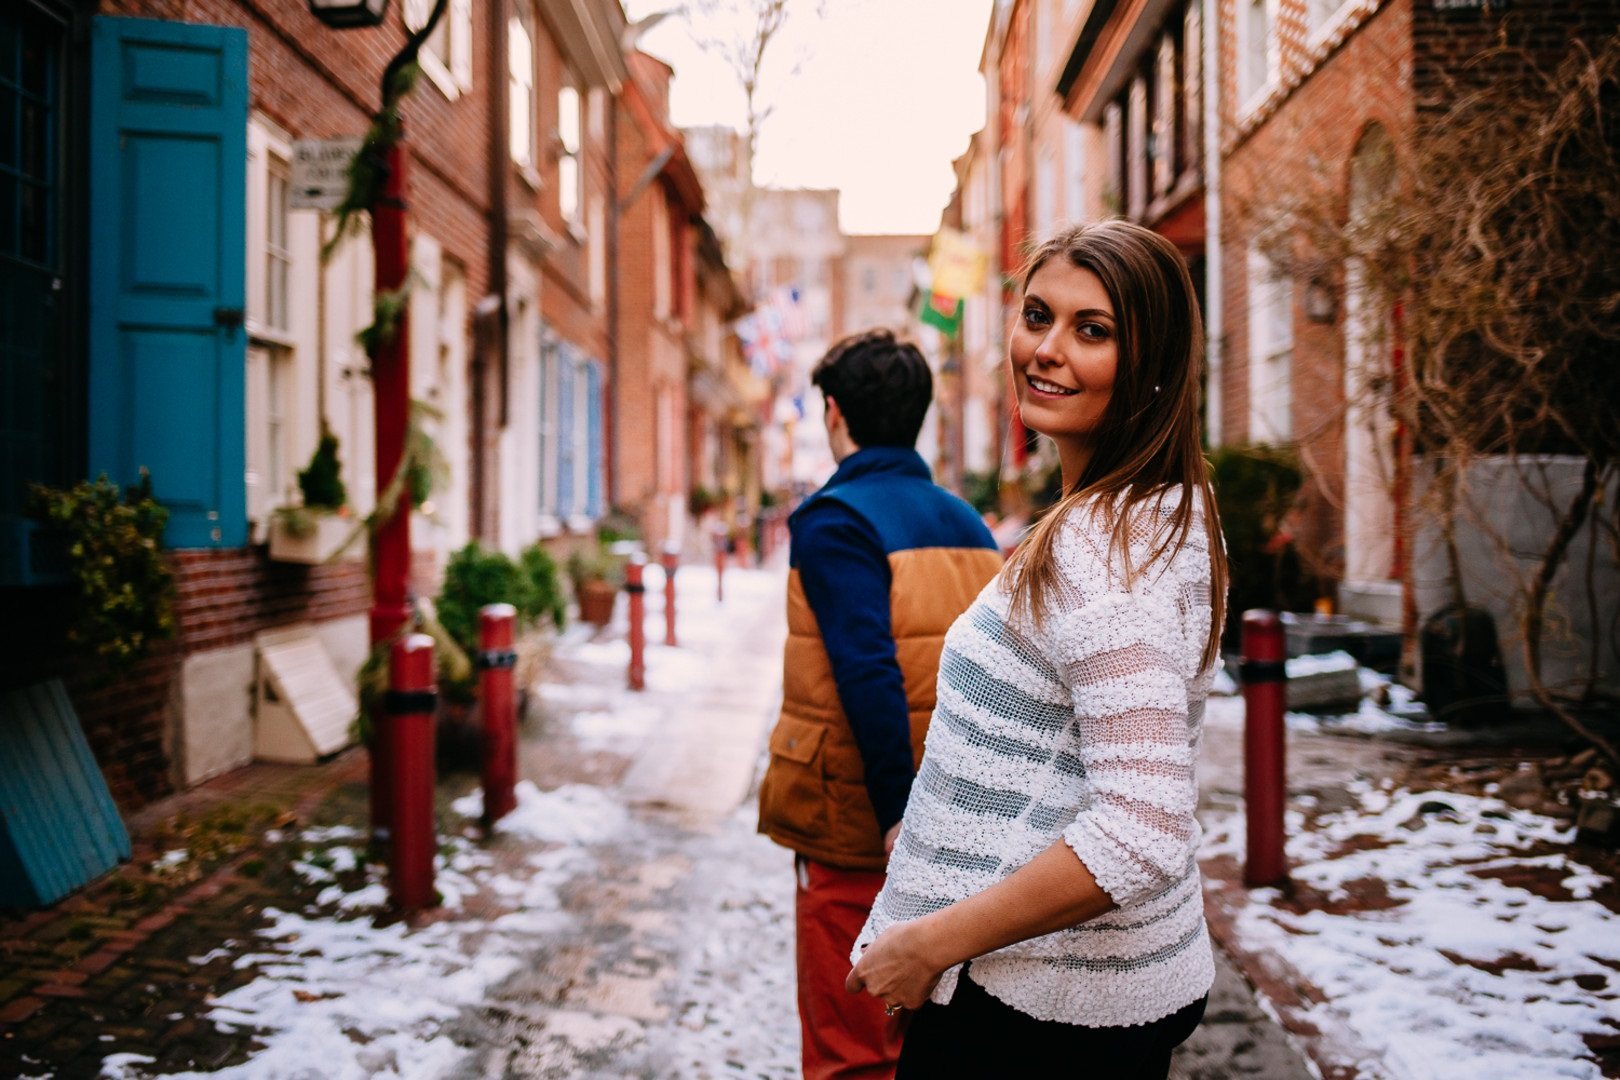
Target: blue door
x,y
168,165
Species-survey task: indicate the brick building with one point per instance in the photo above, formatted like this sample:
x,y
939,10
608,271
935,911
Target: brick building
x,y
660,199
210,345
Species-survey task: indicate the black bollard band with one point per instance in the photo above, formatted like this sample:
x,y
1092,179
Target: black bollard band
x,y
1263,671
496,658
635,588
409,702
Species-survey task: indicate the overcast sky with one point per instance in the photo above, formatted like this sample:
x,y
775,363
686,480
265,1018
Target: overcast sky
x,y
873,97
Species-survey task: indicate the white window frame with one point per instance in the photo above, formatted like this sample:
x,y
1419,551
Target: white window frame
x,y
1323,18
1271,349
1249,97
446,57
280,376
520,86
570,153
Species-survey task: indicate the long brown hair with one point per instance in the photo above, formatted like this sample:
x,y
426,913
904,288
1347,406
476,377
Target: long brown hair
x,y
1147,442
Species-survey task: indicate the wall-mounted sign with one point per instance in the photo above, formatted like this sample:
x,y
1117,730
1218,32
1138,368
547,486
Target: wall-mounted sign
x,y
320,171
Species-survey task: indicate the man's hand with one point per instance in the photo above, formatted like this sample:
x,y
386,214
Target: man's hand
x,y
890,837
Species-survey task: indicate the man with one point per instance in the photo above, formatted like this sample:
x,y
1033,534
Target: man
x,y
883,562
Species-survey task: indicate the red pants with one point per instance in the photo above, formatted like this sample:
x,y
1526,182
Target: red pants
x,y
844,1036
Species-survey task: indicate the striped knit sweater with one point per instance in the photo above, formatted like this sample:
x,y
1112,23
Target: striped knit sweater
x,y
1088,729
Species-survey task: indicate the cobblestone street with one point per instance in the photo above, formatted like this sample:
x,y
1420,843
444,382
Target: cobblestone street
x,y
626,921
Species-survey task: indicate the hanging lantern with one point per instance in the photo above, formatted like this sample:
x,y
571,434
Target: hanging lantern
x,y
345,14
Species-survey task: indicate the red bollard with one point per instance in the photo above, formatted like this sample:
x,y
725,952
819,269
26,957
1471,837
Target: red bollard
x,y
638,623
409,714
498,699
671,561
1265,781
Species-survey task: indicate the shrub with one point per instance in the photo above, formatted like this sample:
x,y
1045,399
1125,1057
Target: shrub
x,y
1255,488
322,481
123,585
545,598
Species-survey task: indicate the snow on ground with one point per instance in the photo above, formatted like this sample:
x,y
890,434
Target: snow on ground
x,y
339,993
1460,974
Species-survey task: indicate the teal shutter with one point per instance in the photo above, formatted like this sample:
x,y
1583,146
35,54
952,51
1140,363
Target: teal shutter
x,y
593,437
168,208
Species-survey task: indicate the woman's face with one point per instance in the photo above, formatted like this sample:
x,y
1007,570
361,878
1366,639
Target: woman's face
x,y
1064,352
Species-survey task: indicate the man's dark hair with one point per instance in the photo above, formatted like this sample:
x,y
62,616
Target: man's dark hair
x,y
882,386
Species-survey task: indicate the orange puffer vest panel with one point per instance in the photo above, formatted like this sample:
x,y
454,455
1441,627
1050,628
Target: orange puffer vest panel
x,y
813,798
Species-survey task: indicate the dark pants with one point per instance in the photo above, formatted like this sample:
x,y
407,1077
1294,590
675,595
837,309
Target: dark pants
x,y
977,1035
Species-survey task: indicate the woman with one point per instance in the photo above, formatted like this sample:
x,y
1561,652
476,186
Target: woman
x,y
1042,901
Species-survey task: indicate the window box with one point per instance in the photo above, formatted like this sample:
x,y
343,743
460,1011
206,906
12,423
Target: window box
x,y
312,537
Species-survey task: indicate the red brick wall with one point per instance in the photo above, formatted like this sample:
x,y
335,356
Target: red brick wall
x,y
1299,145
313,82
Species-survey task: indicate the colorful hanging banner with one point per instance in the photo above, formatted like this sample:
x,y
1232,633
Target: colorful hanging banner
x,y
956,264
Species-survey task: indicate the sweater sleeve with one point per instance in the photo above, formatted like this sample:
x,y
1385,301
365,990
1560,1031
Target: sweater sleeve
x,y
845,573
1118,655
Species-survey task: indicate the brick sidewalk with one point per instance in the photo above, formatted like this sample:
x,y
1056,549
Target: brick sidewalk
x,y
111,968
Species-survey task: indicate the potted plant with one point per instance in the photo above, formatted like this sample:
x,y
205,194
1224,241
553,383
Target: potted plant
x,y
320,527
597,575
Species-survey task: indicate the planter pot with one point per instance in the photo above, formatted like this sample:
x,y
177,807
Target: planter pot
x,y
596,600
331,530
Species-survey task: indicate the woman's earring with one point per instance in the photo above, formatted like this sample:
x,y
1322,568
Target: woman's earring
x,y
1155,388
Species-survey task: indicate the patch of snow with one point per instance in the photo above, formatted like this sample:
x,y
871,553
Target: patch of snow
x,y
1466,976
171,859
123,1066
572,814
1338,660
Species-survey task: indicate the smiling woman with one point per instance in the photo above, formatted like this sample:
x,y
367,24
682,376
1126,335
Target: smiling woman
x,y
1064,352
1042,898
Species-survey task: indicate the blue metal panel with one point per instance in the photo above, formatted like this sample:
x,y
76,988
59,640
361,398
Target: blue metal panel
x,y
59,827
567,457
593,437
168,212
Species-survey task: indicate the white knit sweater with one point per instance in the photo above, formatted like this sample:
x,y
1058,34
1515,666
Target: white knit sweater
x,y
1088,729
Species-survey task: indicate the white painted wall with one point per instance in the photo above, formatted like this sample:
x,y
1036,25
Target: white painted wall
x,y
1507,520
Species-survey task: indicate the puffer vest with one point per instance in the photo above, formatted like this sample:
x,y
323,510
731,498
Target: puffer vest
x,y
813,798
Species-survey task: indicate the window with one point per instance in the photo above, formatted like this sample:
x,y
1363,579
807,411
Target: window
x,y
281,298
277,249
1114,135
570,171
1257,51
1166,99
1192,86
446,58
1136,133
1271,350
1074,169
520,82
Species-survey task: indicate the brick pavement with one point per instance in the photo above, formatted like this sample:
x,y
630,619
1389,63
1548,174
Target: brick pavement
x,y
126,963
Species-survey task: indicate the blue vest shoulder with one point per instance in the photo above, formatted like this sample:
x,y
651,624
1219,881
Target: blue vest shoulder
x,y
909,512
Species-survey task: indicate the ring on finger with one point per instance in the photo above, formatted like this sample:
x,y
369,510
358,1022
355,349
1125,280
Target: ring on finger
x,y
890,1008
